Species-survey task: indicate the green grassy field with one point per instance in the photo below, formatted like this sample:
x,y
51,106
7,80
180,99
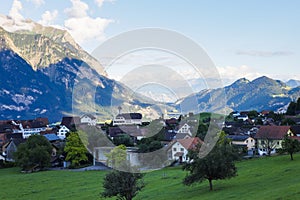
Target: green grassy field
x,y
263,178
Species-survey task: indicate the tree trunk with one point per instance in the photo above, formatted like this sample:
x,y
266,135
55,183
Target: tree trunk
x,y
291,156
210,185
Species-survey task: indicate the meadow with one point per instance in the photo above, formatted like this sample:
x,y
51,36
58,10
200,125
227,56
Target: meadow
x,y
259,178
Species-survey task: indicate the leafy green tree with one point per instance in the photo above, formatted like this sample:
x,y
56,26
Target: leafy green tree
x,y
298,105
218,164
290,146
149,147
252,114
117,156
259,121
202,130
123,139
35,152
292,108
75,149
276,116
288,122
123,185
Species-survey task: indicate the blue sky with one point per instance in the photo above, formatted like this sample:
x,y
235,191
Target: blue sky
x,y
243,38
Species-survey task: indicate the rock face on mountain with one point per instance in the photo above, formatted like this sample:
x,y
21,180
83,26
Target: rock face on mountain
x,y
45,73
259,94
41,46
26,93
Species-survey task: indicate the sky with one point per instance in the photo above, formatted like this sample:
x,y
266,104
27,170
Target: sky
x,y
243,38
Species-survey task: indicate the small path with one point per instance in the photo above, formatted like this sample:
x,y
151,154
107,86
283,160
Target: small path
x,y
89,168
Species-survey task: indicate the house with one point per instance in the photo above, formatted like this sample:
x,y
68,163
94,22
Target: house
x,y
70,122
128,119
178,149
265,113
244,141
171,122
296,130
88,119
243,117
269,138
235,114
100,156
185,129
135,132
52,137
11,147
62,131
30,127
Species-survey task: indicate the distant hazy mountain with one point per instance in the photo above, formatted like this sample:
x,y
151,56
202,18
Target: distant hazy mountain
x,y
293,83
259,94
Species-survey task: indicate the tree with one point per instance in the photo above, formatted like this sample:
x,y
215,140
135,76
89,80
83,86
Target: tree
x,y
202,130
218,164
290,146
146,146
117,156
35,152
124,139
288,122
252,114
123,185
298,105
75,150
291,110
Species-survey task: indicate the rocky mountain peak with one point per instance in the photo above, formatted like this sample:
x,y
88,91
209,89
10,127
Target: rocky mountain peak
x,y
41,45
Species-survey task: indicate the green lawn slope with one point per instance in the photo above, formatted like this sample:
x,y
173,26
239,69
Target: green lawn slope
x,y
262,178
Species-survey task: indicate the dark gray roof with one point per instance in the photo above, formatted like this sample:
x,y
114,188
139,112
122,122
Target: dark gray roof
x,y
238,137
130,115
295,129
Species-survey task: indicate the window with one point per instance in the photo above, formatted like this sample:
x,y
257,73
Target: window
x,y
181,149
174,149
278,143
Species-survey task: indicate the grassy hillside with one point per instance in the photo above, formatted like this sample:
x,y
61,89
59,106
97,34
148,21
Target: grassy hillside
x,y
263,178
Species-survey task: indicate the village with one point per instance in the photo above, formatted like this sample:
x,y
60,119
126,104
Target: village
x,y
252,133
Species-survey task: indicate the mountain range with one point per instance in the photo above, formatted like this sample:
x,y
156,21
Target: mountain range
x,y
260,94
44,72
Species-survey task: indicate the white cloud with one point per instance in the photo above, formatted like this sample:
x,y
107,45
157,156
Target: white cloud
x,y
78,9
100,2
15,11
230,73
37,2
48,17
82,27
15,21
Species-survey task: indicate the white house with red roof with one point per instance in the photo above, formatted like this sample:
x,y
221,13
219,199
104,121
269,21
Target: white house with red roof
x,y
178,149
269,138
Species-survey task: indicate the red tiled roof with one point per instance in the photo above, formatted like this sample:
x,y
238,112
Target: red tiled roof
x,y
272,132
295,138
189,143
